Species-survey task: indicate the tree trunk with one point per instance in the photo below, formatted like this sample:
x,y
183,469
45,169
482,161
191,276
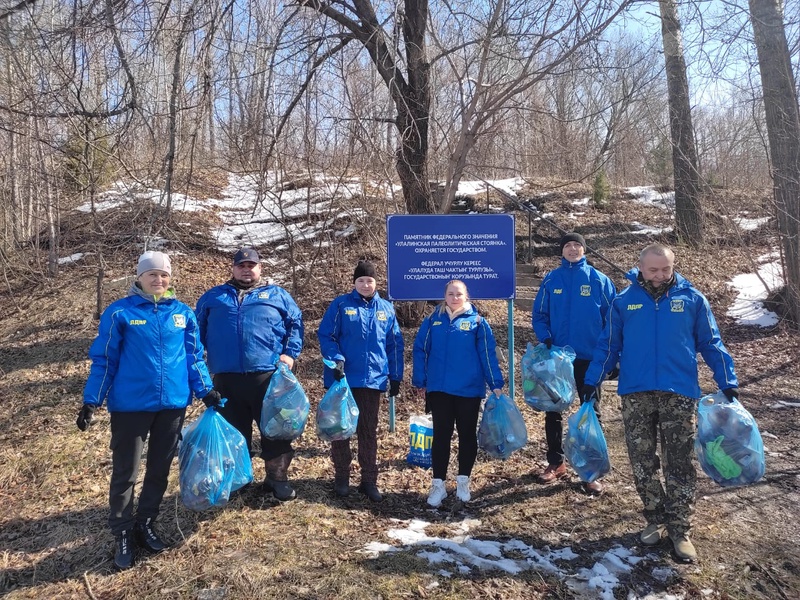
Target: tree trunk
x,y
688,212
783,131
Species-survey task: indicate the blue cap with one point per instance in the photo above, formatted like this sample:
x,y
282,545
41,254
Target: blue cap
x,y
246,255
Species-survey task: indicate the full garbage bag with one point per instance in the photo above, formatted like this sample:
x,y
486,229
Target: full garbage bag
x,y
213,461
548,380
728,443
585,445
420,439
337,413
502,429
284,412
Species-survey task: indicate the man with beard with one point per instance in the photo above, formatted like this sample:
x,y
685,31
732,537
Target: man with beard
x,y
655,328
247,327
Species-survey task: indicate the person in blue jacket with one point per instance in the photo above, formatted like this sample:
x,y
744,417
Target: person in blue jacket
x,y
655,329
147,361
359,332
454,361
570,310
247,326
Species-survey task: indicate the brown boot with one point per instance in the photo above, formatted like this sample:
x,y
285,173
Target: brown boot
x,y
277,480
552,473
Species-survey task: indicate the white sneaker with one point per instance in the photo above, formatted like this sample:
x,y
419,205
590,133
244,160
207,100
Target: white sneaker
x,y
462,488
437,494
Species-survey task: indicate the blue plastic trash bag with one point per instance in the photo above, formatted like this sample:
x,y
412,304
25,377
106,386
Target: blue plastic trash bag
x,y
420,434
285,409
728,443
213,461
585,445
337,413
548,379
502,430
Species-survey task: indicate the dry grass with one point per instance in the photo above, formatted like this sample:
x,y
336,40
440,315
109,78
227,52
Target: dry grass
x,y
54,542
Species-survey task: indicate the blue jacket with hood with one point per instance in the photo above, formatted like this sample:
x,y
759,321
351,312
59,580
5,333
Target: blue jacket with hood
x,y
248,335
571,306
657,343
366,336
147,355
456,356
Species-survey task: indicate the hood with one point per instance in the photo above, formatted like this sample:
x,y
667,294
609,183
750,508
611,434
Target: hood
x,y
135,290
680,281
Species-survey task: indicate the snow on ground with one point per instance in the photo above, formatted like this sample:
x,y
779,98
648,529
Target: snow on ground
x,y
647,194
747,224
748,307
473,188
71,258
581,202
462,555
249,217
639,229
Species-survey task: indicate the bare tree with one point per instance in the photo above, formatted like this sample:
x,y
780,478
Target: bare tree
x,y
688,210
405,74
783,128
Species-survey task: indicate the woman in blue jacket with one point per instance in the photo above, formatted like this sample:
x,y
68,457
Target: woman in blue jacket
x,y
147,361
359,332
454,361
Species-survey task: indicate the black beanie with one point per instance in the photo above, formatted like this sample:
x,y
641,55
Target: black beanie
x,y
572,237
364,268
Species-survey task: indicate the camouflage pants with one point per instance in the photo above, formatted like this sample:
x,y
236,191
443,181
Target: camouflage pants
x,y
649,416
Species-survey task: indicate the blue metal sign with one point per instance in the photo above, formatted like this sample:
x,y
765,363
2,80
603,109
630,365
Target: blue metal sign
x,y
427,251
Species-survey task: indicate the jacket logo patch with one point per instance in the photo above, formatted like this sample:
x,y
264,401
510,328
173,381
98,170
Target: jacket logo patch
x,y
676,305
138,321
263,295
465,326
437,323
180,321
350,312
381,314
558,291
635,306
586,290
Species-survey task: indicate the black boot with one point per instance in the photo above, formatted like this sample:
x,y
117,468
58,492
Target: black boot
x,y
370,490
123,550
277,480
341,485
147,538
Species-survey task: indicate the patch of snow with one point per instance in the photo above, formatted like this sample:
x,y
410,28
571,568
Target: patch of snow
x,y
639,229
462,554
582,202
602,578
71,258
748,307
784,404
472,188
746,224
663,574
647,194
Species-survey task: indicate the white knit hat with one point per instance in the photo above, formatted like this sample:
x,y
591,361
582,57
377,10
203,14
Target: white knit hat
x,y
150,261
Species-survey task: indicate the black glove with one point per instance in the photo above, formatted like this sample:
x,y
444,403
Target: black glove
x,y
589,393
613,373
85,417
731,394
212,398
548,342
394,388
338,370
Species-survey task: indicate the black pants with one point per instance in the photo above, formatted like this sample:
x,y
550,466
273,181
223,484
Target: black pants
x,y
245,394
368,402
128,433
448,411
553,428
